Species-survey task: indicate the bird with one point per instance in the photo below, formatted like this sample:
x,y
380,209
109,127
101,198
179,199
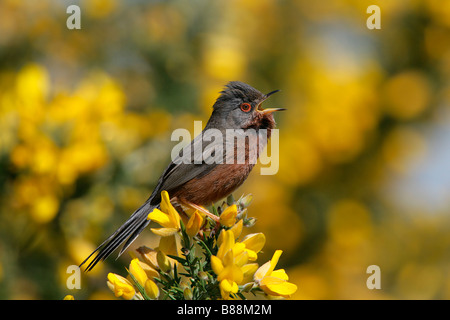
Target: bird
x,y
199,182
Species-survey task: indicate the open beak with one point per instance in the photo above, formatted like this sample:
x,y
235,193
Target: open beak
x,y
268,110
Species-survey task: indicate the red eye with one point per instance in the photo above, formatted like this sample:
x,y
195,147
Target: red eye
x,y
246,107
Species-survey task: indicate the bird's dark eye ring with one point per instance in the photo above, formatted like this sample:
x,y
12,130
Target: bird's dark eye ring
x,y
246,107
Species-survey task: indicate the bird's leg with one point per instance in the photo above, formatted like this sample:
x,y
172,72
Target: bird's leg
x,y
199,208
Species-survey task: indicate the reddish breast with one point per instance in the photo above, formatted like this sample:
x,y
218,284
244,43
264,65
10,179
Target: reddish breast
x,y
217,184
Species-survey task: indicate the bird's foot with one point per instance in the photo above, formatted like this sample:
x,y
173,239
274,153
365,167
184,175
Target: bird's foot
x,y
199,208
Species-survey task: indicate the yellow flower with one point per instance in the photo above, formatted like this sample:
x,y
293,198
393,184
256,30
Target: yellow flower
x,y
151,289
253,244
44,208
240,254
69,297
227,264
274,282
167,217
138,272
229,274
237,228
216,264
228,287
227,242
194,224
250,245
228,216
120,286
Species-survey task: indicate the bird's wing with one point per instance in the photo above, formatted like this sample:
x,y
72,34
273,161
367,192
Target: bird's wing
x,y
196,160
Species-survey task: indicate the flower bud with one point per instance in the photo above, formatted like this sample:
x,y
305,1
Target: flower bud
x,y
246,201
250,222
203,275
151,289
194,224
148,256
228,216
163,262
187,293
230,199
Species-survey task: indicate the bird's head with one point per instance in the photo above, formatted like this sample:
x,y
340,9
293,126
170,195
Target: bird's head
x,y
239,107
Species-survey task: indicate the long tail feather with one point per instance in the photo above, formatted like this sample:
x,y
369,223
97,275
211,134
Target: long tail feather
x,y
127,232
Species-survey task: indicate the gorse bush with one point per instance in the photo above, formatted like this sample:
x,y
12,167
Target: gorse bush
x,y
202,255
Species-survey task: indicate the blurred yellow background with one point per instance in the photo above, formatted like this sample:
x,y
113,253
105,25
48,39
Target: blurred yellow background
x,y
86,117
